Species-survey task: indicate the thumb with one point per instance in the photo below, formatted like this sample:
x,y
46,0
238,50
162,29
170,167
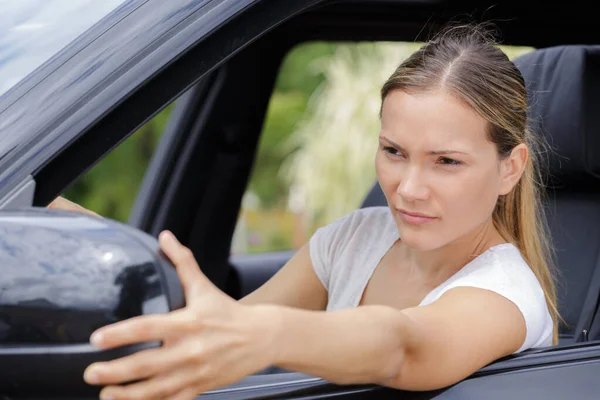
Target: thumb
x,y
192,278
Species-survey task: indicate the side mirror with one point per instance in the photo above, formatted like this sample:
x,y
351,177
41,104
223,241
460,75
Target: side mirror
x,y
62,276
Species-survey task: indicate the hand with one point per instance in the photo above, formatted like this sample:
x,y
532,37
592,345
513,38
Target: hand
x,y
60,203
212,342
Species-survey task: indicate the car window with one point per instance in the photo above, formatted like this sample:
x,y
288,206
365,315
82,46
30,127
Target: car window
x,y
313,163
32,31
111,186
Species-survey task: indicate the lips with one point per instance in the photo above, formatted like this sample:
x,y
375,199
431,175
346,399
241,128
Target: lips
x,y
414,218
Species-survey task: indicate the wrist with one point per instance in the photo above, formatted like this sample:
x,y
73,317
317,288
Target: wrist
x,y
268,321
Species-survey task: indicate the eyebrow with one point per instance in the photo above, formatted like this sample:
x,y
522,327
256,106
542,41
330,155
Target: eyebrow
x,y
433,152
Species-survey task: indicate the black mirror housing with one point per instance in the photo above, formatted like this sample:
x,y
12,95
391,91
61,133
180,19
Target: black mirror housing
x,y
64,275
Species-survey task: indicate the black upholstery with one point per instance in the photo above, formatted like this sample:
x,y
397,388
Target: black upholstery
x,y
375,197
563,84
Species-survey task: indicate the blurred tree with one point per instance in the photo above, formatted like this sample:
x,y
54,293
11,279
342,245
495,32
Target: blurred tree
x,y
302,69
300,75
333,167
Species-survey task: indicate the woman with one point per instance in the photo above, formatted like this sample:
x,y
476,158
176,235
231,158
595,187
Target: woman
x,y
451,276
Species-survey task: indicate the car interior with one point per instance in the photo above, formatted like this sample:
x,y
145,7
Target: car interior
x,y
214,133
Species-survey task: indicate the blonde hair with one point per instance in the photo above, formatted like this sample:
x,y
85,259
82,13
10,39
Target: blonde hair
x,y
464,60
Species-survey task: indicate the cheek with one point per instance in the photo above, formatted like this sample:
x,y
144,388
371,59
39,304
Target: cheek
x,y
475,195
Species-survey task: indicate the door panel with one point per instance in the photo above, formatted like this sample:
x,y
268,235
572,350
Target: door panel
x,y
555,381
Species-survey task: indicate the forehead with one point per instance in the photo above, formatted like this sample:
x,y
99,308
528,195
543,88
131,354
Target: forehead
x,y
432,119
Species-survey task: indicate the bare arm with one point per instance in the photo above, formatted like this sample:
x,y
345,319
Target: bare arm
x,y
420,348
215,341
295,285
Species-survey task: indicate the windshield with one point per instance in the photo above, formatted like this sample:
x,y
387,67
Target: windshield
x,y
32,31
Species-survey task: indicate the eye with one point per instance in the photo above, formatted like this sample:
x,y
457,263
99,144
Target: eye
x,y
449,161
392,151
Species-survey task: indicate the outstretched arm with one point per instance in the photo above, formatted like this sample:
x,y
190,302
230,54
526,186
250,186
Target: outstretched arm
x,y
215,341
421,348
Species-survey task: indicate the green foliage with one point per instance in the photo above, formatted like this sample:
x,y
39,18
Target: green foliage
x,y
285,109
302,69
300,75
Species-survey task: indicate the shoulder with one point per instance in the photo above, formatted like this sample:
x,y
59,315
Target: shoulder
x,y
503,270
365,215
349,240
359,222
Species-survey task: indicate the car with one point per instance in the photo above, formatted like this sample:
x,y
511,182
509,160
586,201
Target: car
x,y
65,274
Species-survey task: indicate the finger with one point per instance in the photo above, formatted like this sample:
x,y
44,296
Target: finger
x,y
159,387
144,328
187,268
60,203
137,366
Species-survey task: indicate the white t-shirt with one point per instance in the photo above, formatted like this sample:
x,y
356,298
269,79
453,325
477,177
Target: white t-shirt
x,y
345,253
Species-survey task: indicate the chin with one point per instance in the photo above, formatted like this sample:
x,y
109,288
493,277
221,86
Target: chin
x,y
419,243
420,239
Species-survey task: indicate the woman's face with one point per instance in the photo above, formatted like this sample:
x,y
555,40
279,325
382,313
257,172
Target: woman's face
x,y
440,174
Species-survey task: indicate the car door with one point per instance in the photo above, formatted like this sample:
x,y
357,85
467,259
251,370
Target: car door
x,y
548,374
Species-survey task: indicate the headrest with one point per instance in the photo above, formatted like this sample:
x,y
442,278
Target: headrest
x,y
563,85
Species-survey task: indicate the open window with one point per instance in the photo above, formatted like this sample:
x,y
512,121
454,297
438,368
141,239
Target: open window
x,y
315,158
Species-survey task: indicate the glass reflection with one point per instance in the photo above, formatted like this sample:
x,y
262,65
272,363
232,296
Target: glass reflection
x,y
32,31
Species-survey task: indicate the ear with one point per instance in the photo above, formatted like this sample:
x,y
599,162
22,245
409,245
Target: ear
x,y
512,167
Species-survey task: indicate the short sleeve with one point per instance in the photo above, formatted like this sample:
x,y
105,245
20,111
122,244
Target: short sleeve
x,y
516,282
323,245
347,234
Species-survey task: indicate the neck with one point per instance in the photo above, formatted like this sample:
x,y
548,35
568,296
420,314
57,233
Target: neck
x,y
437,265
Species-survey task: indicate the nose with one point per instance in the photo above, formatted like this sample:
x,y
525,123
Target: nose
x,y
412,186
